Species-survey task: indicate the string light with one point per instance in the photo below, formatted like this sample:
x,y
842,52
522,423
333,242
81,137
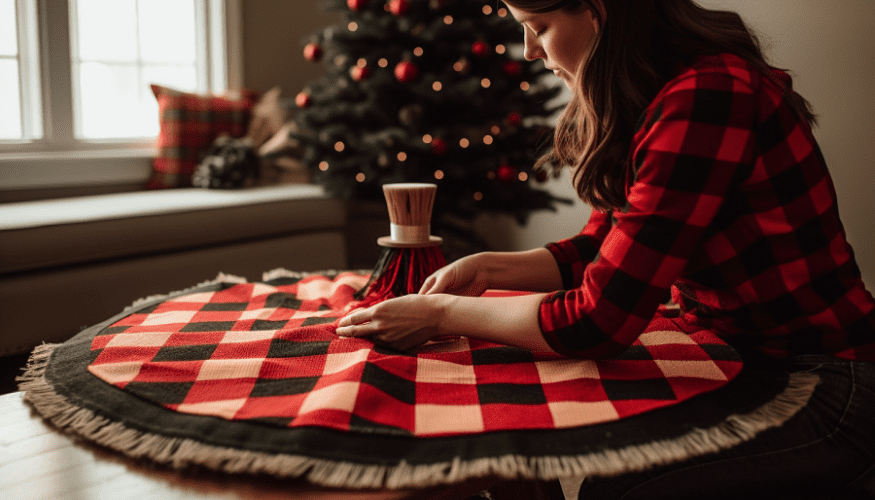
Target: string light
x,y
490,175
427,138
361,63
402,156
464,143
502,12
438,174
523,176
437,86
360,177
487,9
353,26
383,62
418,51
496,130
478,196
323,166
500,49
339,146
524,86
448,19
485,83
487,139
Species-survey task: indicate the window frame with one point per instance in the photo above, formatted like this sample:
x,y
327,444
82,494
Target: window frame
x,y
58,159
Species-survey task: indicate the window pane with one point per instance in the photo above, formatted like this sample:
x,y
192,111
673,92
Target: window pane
x,y
123,46
8,42
167,30
10,100
109,101
106,30
179,77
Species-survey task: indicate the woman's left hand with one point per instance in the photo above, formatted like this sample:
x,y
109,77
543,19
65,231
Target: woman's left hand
x,y
401,323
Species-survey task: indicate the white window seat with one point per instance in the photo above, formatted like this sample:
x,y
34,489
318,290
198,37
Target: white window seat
x,y
70,263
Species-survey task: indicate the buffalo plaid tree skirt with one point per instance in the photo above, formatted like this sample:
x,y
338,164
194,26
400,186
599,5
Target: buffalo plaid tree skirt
x,y
250,377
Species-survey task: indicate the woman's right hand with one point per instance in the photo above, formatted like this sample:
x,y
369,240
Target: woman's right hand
x,y
466,276
529,270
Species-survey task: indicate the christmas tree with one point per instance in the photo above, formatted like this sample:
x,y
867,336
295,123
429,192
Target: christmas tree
x,y
428,91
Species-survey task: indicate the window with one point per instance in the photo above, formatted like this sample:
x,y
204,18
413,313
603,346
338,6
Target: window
x,y
112,70
20,109
75,75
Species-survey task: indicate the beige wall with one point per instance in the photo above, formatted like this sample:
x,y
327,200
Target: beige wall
x,y
829,45
272,38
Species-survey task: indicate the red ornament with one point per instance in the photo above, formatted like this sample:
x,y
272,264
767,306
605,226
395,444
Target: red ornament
x,y
359,73
406,72
438,147
313,52
481,49
512,69
303,100
357,4
514,119
506,174
399,7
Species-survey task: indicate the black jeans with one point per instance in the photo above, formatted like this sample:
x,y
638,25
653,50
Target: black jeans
x,y
827,447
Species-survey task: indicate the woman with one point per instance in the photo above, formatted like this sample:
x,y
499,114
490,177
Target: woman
x,y
706,183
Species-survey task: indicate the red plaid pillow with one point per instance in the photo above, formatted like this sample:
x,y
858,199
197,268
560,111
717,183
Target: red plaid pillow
x,y
189,124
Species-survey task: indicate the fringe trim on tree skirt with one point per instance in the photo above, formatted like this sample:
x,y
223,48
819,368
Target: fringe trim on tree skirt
x,y
221,278
181,452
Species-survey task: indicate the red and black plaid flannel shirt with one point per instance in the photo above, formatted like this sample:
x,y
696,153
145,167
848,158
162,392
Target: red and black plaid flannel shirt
x,y
730,207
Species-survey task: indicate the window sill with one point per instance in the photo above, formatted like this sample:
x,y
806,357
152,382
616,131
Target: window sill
x,y
147,203
58,169
46,234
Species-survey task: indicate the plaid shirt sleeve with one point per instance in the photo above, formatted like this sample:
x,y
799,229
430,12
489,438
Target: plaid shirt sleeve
x,y
695,140
574,254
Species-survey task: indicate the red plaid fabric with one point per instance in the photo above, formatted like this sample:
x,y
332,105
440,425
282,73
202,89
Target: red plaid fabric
x,y
189,124
267,352
732,207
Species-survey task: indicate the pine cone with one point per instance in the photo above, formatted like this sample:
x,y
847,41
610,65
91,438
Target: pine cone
x,y
227,164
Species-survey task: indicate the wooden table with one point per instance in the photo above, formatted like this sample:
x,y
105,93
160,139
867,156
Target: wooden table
x,y
39,462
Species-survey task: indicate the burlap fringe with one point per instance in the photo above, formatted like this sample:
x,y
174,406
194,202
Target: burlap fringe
x,y
180,452
281,272
285,273
221,278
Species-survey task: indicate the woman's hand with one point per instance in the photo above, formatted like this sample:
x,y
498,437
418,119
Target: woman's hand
x,y
401,323
449,303
412,320
466,276
529,270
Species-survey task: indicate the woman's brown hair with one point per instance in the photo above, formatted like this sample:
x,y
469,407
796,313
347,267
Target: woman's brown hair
x,y
639,45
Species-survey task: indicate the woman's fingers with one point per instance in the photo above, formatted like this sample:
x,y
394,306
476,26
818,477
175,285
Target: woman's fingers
x,y
443,281
436,285
428,285
401,322
355,317
360,330
357,324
